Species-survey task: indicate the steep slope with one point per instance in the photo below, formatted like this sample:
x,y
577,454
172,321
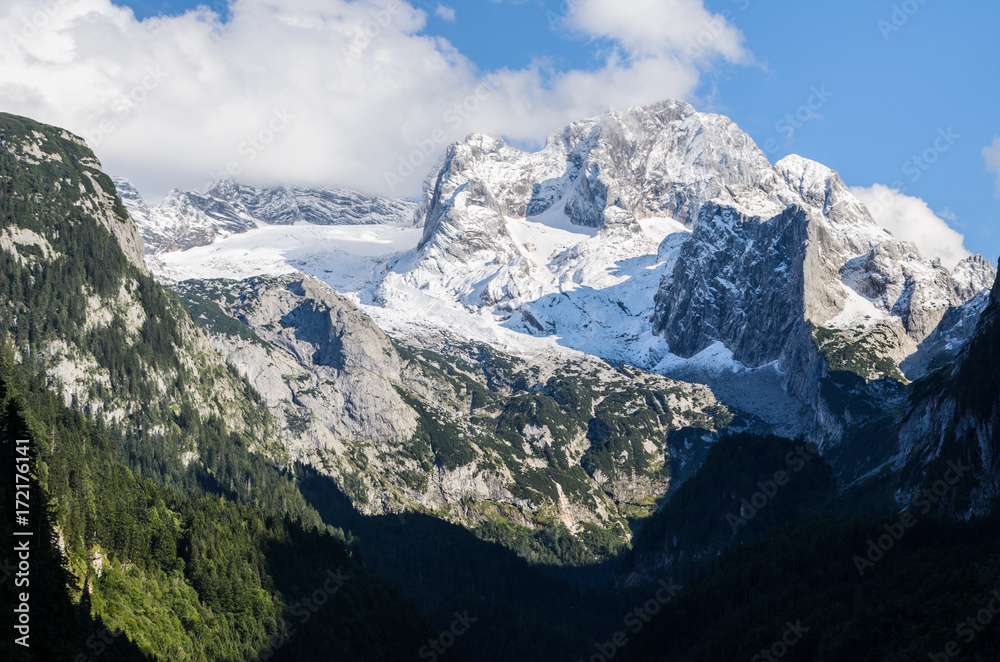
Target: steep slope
x,y
747,486
955,417
657,234
79,304
834,268
123,569
657,237
798,595
165,525
70,170
493,441
478,436
186,219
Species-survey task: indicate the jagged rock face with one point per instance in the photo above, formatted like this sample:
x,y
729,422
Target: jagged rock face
x,y
972,277
660,160
775,254
667,160
133,201
717,290
599,179
952,334
351,393
720,291
956,417
187,219
183,220
894,277
320,206
117,345
664,160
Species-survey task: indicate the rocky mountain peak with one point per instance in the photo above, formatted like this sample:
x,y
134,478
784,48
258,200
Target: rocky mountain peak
x,y
973,275
773,255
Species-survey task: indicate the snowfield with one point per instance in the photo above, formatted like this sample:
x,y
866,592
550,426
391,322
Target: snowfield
x,y
347,257
598,296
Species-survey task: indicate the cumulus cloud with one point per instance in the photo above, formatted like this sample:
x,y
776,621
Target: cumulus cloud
x,y
445,12
911,219
347,92
659,26
992,155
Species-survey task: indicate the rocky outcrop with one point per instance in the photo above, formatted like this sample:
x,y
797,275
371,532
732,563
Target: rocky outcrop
x,y
972,277
445,424
955,417
664,160
113,343
354,369
95,197
730,282
183,220
719,291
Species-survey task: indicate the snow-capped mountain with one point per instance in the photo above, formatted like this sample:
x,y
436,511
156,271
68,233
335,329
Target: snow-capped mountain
x,y
750,253
660,234
656,236
187,219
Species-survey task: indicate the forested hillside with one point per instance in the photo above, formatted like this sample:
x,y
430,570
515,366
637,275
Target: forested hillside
x,y
176,576
161,516
78,303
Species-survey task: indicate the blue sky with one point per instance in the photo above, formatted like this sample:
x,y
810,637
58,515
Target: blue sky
x,y
891,96
898,75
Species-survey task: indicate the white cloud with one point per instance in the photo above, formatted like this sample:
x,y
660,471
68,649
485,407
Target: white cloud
x,y
992,155
911,219
658,26
445,12
322,91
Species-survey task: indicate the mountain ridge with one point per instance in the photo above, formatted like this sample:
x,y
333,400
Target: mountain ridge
x,y
187,219
663,238
607,176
